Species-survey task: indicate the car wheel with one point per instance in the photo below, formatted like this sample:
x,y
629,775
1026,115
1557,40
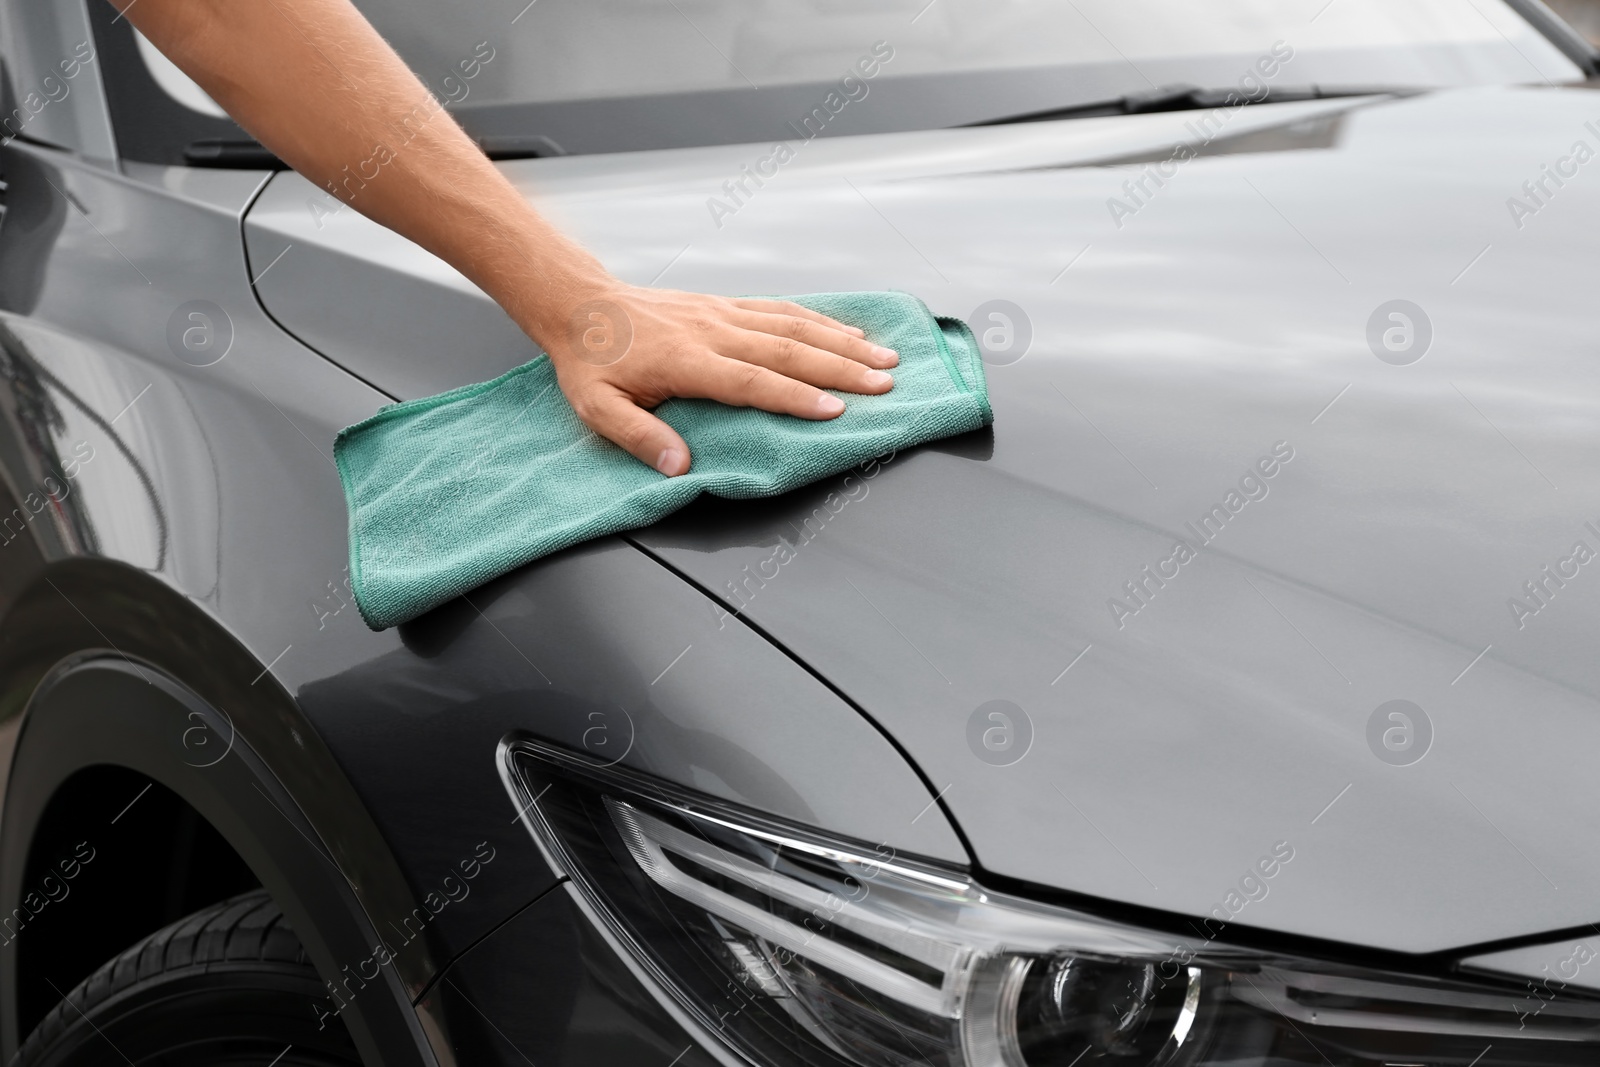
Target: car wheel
x,y
229,984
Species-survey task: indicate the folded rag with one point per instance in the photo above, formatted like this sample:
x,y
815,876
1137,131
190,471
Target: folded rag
x,y
450,491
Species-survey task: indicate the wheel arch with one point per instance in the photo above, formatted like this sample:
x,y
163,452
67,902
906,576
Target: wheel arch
x,y
107,676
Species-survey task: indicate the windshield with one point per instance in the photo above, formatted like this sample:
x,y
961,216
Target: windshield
x,y
604,75
611,75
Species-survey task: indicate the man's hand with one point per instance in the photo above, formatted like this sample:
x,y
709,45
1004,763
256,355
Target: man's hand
x,y
320,115
632,348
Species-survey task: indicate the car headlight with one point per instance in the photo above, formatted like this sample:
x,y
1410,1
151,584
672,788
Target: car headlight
x,y
795,948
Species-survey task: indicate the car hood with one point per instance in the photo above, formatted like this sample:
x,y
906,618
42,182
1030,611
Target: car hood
x,y
1146,736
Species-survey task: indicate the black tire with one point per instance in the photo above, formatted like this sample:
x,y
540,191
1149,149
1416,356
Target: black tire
x,y
228,985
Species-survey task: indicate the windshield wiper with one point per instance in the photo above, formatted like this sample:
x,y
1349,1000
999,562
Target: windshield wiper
x,y
518,146
231,154
246,154
1192,98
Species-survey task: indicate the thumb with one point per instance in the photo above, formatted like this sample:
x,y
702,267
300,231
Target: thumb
x,y
651,441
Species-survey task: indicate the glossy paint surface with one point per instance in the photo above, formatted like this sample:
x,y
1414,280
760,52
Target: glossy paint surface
x,y
548,989
209,473
1212,329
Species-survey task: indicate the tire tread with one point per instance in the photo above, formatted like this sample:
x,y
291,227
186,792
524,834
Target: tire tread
x,y
248,928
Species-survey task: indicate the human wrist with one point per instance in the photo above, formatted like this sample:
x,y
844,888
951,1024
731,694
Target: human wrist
x,y
561,290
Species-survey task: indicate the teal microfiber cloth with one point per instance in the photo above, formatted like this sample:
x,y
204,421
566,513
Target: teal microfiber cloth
x,y
450,491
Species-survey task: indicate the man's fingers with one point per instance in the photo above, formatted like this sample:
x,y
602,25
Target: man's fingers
x,y
789,307
817,336
618,419
749,385
768,354
802,362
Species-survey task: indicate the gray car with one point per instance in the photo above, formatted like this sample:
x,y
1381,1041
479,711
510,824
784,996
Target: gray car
x,y
1230,701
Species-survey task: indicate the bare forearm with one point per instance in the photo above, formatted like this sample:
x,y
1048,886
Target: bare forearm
x,y
310,79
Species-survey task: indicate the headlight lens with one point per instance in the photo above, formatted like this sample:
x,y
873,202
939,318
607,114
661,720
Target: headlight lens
x,y
793,948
